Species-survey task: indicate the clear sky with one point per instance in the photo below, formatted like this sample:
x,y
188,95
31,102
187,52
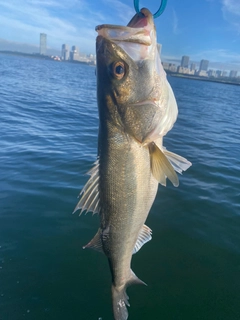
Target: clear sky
x,y
201,29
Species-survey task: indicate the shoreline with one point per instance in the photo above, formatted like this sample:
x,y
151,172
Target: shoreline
x,y
194,77
41,57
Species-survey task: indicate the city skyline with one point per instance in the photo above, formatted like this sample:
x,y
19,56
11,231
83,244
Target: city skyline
x,y
191,69
207,28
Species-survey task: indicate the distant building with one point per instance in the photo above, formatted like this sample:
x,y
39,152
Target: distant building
x,y
65,52
74,54
203,65
169,66
193,67
212,73
202,73
219,73
43,43
225,74
233,74
185,62
182,70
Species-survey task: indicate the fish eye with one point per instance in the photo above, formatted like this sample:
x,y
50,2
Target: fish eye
x,y
119,70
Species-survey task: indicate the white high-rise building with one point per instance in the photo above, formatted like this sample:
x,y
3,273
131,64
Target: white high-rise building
x,y
43,43
65,52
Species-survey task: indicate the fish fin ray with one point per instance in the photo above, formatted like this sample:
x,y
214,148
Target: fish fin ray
x,y
90,193
144,236
179,163
120,297
161,167
95,243
120,303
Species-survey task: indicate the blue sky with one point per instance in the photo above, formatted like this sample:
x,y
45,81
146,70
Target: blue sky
x,y
202,29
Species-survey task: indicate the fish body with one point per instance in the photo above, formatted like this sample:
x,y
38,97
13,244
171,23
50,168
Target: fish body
x,y
136,109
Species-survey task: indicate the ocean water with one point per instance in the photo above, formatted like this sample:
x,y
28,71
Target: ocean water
x,y
48,141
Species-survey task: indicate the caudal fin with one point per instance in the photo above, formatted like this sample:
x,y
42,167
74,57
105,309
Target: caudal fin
x,y
120,298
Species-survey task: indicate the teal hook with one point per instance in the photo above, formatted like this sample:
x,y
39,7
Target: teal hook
x,y
156,14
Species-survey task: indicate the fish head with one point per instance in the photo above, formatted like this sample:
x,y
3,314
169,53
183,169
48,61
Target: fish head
x,y
132,89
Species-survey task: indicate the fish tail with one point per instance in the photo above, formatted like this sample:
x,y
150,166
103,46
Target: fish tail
x,y
120,298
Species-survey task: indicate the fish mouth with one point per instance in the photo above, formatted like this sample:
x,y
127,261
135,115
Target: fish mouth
x,y
137,39
138,30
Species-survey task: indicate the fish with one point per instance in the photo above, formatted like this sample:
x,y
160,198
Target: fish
x,y
137,108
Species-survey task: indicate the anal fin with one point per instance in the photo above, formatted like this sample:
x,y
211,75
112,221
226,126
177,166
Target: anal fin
x,y
144,236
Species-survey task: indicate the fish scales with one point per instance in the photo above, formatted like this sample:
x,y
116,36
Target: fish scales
x,y
136,109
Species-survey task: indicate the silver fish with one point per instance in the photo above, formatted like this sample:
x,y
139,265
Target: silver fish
x,y
136,109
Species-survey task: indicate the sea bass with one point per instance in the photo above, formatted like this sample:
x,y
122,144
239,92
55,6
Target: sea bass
x,y
136,109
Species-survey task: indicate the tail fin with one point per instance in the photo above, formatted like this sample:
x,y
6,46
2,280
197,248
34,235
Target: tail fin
x,y
120,298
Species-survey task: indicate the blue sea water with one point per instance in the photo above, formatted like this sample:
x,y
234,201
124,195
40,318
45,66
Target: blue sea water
x,y
48,141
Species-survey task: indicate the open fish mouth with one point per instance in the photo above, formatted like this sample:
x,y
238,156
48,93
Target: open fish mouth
x,y
137,39
138,29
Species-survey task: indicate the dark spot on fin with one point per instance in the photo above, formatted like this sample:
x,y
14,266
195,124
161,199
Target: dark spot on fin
x,y
161,167
144,236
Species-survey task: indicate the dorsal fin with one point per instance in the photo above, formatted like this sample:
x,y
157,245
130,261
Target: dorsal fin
x,y
144,236
90,193
161,167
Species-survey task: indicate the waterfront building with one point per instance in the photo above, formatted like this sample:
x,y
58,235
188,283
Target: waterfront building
x,y
225,74
165,65
185,62
74,54
212,73
172,67
202,73
233,74
65,52
43,43
182,70
193,67
203,65
218,73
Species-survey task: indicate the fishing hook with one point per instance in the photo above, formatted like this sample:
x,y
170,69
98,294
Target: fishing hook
x,y
156,14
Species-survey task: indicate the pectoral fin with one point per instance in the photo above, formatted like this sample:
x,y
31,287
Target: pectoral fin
x,y
179,163
161,167
144,236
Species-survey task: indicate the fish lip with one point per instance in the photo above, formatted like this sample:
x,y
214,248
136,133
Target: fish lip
x,y
140,21
139,30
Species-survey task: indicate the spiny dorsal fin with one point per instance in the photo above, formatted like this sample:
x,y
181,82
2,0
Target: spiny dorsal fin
x,y
161,167
95,243
144,236
90,194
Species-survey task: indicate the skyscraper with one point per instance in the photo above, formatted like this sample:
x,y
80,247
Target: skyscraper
x,y
193,67
43,43
74,54
203,65
65,52
233,74
185,62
